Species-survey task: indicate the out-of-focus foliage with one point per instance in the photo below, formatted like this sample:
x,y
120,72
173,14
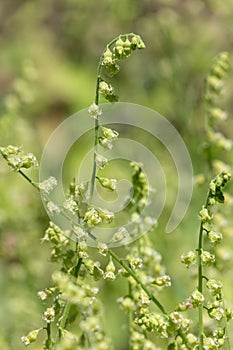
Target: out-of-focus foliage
x,y
48,60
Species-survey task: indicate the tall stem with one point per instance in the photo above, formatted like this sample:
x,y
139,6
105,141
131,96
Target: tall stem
x,y
66,310
200,284
146,290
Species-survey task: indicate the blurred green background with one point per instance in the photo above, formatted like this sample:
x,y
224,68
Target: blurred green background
x,y
48,59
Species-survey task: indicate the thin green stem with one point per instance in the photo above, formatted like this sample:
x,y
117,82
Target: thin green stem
x,y
146,290
226,326
201,276
66,310
96,138
200,284
49,339
130,315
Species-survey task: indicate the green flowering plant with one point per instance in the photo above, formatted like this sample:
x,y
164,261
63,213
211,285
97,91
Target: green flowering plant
x,y
73,296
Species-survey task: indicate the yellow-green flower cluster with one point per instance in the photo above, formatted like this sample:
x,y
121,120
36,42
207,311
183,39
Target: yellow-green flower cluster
x,y
17,159
119,50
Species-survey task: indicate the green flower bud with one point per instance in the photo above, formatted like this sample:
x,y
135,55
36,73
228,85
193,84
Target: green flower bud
x,y
214,286
207,258
134,262
210,344
163,281
217,113
82,250
48,185
215,84
105,88
94,111
219,333
197,298
102,248
126,303
44,294
204,215
28,161
106,143
110,134
10,150
189,258
192,339
216,313
109,184
106,215
92,217
71,206
108,57
215,237
31,337
49,315
120,235
110,271
101,161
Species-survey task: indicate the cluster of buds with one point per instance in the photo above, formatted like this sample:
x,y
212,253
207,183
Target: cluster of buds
x,y
189,258
94,216
107,183
17,159
110,271
119,50
214,87
141,189
31,337
48,185
55,235
101,161
217,185
108,136
108,92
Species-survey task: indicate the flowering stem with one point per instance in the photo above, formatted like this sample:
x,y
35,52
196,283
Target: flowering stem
x,y
96,140
150,295
201,276
49,339
66,310
200,285
146,290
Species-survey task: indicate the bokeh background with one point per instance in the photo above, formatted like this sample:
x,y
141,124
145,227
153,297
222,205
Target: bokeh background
x,y
49,52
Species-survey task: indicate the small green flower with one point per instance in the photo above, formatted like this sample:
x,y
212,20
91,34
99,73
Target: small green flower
x,y
197,298
48,185
92,217
210,344
110,134
109,184
49,315
102,248
101,161
94,111
110,271
207,258
53,208
163,281
214,286
31,337
189,258
205,215
216,313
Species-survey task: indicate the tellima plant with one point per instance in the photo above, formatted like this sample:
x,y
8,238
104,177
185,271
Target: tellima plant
x,y
198,322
